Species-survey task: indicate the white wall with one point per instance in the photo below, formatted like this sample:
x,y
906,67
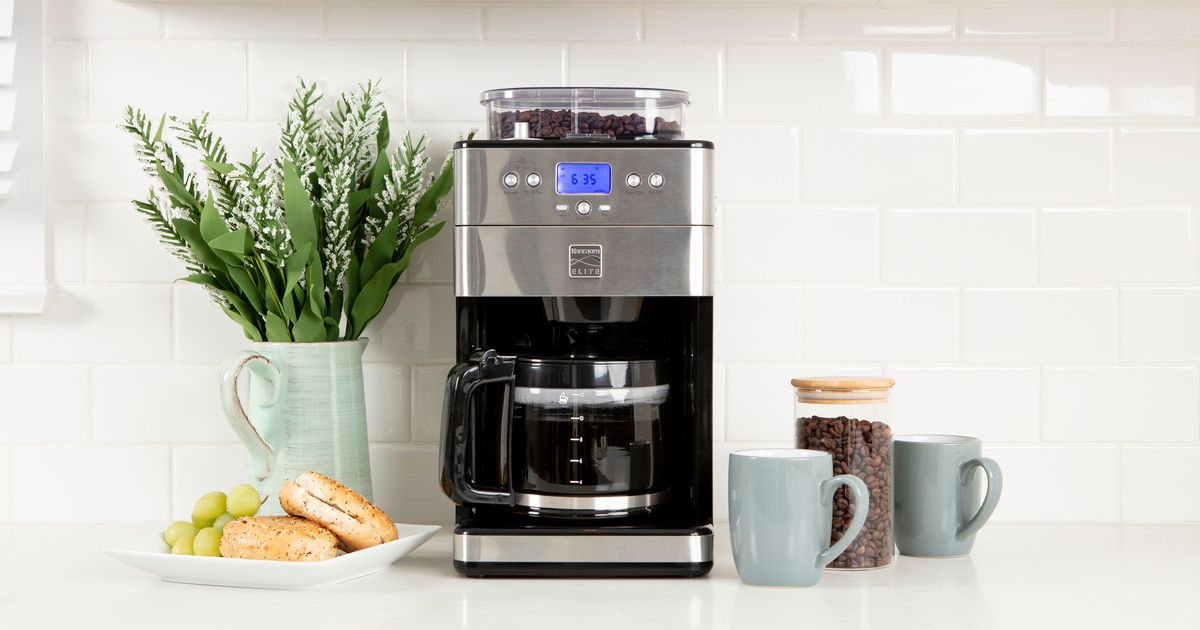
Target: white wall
x,y
993,204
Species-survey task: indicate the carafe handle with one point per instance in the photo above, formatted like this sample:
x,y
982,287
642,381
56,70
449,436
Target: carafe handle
x,y
462,384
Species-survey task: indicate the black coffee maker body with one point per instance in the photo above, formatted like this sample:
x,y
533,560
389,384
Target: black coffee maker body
x,y
577,426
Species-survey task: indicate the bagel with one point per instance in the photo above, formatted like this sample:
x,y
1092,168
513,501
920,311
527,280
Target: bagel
x,y
357,523
278,538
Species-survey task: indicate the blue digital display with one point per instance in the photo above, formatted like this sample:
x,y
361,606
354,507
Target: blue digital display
x,y
583,178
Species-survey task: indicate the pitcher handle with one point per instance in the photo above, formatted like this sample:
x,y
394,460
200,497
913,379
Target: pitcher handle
x,y
262,456
862,503
995,485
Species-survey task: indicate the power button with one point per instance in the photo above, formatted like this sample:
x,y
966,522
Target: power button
x,y
583,208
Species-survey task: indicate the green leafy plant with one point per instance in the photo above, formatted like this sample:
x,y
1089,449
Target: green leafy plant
x,y
304,247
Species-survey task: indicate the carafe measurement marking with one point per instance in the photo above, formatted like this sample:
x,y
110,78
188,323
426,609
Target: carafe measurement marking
x,y
576,462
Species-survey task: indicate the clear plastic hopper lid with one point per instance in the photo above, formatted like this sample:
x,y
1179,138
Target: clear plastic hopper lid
x,y
555,113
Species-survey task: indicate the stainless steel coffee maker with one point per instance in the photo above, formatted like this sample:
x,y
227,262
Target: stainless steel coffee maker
x,y
577,427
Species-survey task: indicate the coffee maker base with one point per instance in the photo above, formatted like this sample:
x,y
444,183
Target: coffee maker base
x,y
630,553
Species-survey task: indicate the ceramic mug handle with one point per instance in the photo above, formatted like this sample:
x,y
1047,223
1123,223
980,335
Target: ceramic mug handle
x,y
862,503
262,456
995,484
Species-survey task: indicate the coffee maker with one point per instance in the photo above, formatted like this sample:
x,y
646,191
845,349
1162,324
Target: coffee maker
x,y
577,426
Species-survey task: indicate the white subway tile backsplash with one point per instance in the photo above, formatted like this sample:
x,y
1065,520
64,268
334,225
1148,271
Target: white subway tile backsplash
x,y
875,324
907,23
281,20
760,401
148,75
1143,404
98,323
1145,497
1039,324
694,68
66,233
202,332
406,483
92,162
274,66
1157,164
759,322
445,80
101,19
44,403
5,341
66,80
417,324
434,260
121,247
429,381
402,22
1042,24
6,486
806,82
803,244
197,470
993,404
877,164
1034,165
602,23
1143,81
1058,483
667,23
1160,324
718,402
387,390
1125,245
775,173
958,245
158,403
991,81
1159,23
59,483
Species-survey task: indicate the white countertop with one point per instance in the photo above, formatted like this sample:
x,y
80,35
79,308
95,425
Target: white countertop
x,y
1020,576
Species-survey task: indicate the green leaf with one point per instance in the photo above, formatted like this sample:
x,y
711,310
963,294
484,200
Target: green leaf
x,y
381,250
357,198
352,285
177,189
201,278
294,266
384,136
373,296
298,208
211,225
190,232
310,328
246,285
250,331
219,167
277,329
427,205
232,247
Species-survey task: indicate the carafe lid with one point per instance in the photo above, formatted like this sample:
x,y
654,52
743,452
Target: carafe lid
x,y
588,373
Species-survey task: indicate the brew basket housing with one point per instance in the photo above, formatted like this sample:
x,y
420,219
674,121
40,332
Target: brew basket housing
x,y
566,113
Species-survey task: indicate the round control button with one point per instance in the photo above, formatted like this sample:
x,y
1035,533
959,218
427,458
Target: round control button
x,y
656,180
583,208
633,180
511,180
534,180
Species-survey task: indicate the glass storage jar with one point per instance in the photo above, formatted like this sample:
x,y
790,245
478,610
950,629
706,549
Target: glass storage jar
x,y
564,113
847,417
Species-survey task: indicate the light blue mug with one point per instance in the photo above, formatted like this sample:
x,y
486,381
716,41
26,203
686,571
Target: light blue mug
x,y
781,514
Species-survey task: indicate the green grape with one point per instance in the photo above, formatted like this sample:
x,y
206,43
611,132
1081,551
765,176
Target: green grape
x,y
208,508
182,547
223,520
208,542
178,530
243,501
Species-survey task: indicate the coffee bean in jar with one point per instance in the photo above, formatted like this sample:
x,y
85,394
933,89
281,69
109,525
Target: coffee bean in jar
x,y
555,124
845,417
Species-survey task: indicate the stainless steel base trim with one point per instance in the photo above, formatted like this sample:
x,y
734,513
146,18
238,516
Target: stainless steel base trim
x,y
689,549
610,503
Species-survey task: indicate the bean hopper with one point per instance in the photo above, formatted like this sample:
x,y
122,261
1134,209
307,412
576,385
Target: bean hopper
x,y
577,426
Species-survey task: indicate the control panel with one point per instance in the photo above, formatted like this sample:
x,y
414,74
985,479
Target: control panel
x,y
613,183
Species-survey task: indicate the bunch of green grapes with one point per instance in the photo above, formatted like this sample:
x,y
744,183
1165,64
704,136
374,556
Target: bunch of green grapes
x,y
202,535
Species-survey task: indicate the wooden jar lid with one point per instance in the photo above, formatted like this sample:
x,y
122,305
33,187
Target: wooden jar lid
x,y
844,384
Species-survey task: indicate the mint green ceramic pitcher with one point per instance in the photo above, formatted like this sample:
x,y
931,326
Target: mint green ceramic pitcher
x,y
304,411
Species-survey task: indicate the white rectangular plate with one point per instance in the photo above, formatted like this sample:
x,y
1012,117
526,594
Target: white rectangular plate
x,y
150,554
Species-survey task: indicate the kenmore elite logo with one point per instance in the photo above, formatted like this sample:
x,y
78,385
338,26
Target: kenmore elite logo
x,y
585,261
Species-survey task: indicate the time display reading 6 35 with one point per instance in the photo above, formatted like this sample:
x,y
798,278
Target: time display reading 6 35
x,y
583,178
